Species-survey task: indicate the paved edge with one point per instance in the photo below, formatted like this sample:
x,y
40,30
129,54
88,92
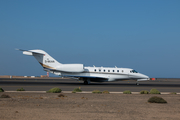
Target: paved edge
x,y
162,93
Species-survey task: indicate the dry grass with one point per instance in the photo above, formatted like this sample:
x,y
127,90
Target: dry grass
x,y
5,96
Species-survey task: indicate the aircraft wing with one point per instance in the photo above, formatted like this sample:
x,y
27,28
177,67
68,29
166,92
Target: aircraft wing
x,y
93,77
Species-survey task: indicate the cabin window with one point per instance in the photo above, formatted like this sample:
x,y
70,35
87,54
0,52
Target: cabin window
x,y
117,70
95,70
104,70
99,70
122,70
113,70
108,70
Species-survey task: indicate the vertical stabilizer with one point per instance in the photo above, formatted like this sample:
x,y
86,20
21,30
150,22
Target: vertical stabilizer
x,y
43,58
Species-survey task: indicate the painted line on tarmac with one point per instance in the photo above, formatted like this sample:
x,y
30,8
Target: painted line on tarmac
x,y
82,87
162,93
27,91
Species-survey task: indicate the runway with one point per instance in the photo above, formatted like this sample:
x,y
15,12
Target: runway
x,y
163,85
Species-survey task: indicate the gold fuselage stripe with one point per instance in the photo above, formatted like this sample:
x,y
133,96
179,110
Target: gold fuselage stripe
x,y
46,66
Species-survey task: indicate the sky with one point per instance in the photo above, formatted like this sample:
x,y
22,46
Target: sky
x,y
140,34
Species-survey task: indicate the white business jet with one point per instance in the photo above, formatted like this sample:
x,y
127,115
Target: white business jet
x,y
86,74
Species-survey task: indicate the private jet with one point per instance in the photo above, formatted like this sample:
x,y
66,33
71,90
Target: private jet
x,y
86,74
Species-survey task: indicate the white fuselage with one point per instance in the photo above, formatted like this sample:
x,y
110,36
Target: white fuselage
x,y
110,74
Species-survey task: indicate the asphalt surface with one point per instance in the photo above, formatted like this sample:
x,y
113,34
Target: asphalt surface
x,y
163,85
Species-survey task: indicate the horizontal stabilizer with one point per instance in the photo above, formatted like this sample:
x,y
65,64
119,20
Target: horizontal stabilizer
x,y
27,52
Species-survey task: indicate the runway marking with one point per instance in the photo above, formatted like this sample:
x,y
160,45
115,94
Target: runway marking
x,y
163,93
140,87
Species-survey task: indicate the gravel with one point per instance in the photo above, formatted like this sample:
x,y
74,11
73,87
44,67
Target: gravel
x,y
48,106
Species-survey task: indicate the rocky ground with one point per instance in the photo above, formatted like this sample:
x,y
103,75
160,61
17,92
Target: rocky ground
x,y
48,106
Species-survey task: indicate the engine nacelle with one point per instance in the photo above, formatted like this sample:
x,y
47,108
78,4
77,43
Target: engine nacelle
x,y
71,68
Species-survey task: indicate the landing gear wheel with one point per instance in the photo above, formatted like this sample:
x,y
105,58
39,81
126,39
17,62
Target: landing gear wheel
x,y
137,83
86,82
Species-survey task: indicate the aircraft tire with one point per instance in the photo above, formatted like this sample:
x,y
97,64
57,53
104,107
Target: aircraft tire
x,y
86,82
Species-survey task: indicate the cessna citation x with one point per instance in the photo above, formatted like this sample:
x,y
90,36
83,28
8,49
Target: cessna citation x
x,y
86,74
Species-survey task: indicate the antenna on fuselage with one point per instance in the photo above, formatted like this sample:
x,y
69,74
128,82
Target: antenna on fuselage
x,y
115,67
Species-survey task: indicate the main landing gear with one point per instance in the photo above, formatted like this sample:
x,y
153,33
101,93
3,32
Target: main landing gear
x,y
86,82
137,83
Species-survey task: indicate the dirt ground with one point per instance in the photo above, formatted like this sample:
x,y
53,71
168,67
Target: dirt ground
x,y
48,106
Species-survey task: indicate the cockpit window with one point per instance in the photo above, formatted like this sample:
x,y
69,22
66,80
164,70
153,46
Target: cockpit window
x,y
133,71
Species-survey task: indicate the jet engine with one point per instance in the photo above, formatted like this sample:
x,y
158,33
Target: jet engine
x,y
70,68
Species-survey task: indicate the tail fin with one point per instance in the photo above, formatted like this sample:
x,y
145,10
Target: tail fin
x,y
43,58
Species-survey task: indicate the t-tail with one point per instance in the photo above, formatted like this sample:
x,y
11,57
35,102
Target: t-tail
x,y
49,63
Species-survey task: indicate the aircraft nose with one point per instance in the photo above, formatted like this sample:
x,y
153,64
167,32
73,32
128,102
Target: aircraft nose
x,y
145,77
139,76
